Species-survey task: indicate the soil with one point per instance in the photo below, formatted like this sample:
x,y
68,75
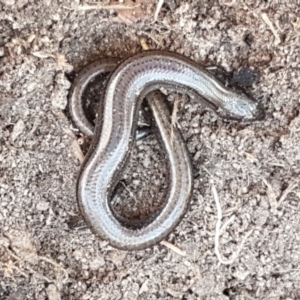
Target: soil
x,y
245,175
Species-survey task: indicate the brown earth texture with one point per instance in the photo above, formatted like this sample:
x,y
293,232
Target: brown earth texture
x,y
240,236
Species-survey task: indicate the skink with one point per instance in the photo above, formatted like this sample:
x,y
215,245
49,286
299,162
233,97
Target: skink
x,y
113,139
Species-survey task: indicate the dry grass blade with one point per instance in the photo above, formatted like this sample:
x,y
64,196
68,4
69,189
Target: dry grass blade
x,y
219,230
174,118
173,248
38,275
158,8
266,19
76,150
87,6
271,195
289,189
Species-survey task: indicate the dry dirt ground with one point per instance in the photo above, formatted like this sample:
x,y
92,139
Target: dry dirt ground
x,y
253,168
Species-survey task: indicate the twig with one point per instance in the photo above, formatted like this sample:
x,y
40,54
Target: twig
x,y
289,189
8,266
271,195
218,232
24,259
151,37
174,119
266,19
77,151
58,266
158,8
173,248
29,268
174,294
286,271
129,191
86,6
